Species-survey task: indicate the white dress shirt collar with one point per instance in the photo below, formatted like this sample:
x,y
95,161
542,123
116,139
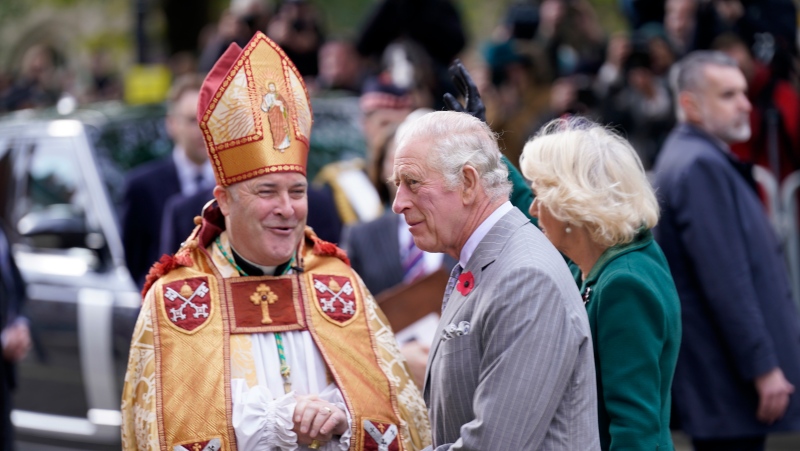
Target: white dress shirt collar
x,y
479,233
188,171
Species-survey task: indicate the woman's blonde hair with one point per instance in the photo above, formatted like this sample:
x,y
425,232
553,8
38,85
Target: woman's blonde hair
x,y
588,175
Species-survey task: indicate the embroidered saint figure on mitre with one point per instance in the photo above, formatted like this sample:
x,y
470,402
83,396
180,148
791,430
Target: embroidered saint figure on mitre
x,y
275,107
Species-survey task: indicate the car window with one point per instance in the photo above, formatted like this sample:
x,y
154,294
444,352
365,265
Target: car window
x,y
52,199
53,177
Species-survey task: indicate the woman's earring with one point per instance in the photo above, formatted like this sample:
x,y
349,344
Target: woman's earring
x,y
568,229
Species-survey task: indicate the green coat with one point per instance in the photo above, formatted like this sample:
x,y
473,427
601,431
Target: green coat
x,y
521,194
634,313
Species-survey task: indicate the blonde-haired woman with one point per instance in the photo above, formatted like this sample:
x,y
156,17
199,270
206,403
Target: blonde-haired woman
x,y
595,204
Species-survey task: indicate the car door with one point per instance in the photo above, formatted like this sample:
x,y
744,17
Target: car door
x,y
81,301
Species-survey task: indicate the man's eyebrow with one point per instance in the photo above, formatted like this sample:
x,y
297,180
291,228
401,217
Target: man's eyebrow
x,y
411,173
398,176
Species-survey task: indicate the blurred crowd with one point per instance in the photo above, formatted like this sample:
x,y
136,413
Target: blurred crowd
x,y
545,59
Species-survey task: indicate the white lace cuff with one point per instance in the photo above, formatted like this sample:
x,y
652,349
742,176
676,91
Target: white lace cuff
x,y
261,422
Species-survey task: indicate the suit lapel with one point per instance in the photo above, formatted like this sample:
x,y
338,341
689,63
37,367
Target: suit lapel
x,y
485,254
393,243
173,180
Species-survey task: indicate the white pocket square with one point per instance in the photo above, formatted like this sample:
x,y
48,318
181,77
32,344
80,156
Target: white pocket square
x,y
452,330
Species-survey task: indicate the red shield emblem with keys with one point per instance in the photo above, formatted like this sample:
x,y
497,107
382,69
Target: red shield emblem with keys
x,y
215,444
380,436
336,298
187,303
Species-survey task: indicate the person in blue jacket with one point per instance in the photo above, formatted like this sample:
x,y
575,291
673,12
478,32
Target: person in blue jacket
x,y
740,359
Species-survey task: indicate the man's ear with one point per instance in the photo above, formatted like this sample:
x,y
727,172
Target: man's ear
x,y
690,104
223,199
472,184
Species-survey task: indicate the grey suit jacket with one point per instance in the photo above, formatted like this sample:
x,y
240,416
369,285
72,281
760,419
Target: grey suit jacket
x,y
523,377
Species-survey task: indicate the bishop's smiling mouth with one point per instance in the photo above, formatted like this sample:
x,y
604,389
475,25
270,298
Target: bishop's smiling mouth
x,y
281,229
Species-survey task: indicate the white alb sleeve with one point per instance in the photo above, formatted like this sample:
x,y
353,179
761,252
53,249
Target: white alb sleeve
x,y
261,422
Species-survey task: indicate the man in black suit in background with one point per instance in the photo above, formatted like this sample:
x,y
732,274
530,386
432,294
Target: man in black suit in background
x,y
15,334
148,187
739,361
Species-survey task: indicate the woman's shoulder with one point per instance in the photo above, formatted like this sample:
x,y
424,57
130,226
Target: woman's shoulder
x,y
639,277
635,271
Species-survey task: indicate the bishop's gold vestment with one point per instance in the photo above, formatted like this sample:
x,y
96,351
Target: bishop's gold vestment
x,y
177,392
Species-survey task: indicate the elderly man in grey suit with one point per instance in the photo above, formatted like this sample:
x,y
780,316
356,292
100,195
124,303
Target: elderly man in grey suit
x,y
512,366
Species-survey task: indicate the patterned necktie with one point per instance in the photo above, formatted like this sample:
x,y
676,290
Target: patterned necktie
x,y
413,263
451,283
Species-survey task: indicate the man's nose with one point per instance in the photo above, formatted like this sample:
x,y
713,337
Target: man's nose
x,y
283,205
745,103
400,200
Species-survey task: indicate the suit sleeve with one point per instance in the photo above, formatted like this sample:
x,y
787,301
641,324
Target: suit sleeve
x,y
133,207
170,241
350,246
529,354
712,234
12,285
631,331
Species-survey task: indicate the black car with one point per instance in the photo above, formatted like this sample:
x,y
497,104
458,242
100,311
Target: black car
x,y
60,179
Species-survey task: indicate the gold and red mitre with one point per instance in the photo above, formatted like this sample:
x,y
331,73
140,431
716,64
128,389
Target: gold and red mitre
x,y
255,113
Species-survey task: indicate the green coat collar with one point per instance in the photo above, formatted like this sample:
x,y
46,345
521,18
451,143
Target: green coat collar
x,y
642,239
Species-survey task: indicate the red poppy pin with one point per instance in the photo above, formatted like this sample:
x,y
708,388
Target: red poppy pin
x,y
465,283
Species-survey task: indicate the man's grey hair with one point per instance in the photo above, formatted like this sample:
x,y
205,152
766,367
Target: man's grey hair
x,y
454,140
687,74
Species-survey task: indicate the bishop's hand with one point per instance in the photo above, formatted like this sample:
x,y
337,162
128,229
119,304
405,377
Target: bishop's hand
x,y
466,87
316,420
